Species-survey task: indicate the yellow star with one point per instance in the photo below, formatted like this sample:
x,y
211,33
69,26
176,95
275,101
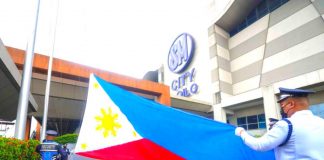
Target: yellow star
x,y
108,123
84,146
134,134
96,85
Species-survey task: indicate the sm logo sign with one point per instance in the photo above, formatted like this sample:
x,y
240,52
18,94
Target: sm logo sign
x,y
180,56
181,53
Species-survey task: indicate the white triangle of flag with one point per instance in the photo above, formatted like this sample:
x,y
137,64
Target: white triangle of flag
x,y
103,125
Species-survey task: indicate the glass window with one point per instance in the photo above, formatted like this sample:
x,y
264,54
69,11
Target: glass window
x,y
252,15
241,26
252,119
263,8
251,19
262,12
233,32
262,125
253,126
318,109
261,118
244,126
241,120
274,4
284,1
252,122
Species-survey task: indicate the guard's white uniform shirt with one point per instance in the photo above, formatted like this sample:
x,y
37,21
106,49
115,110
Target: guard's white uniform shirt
x,y
306,141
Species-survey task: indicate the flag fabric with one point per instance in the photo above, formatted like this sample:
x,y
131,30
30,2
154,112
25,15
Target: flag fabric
x,y
120,125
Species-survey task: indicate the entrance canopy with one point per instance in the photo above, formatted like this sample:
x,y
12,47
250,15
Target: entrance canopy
x,y
10,81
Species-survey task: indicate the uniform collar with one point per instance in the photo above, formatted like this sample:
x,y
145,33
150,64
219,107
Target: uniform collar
x,y
302,113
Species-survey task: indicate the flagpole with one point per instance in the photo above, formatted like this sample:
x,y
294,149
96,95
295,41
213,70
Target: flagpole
x,y
48,86
48,82
25,83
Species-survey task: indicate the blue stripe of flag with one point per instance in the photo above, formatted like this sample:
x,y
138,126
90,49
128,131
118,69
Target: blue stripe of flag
x,y
190,136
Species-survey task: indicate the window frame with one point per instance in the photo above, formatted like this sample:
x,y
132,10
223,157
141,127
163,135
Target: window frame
x,y
252,125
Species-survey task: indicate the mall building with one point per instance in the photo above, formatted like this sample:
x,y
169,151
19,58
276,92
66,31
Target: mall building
x,y
255,47
258,46
229,72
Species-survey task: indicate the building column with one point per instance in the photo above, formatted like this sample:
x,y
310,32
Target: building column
x,y
271,107
27,130
219,113
38,130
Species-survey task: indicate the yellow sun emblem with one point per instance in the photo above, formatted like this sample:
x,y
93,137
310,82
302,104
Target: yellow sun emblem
x,y
107,122
96,85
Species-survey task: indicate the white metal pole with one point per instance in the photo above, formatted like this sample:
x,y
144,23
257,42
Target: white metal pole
x,y
48,86
49,75
25,83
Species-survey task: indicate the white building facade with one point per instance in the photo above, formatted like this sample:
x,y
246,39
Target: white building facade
x,y
277,44
254,48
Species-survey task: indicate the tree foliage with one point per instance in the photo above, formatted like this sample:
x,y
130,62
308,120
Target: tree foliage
x,y
67,138
15,149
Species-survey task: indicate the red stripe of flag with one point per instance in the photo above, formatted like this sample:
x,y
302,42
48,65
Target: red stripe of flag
x,y
143,149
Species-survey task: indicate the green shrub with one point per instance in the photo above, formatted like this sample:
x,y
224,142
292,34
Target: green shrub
x,y
67,138
257,136
15,149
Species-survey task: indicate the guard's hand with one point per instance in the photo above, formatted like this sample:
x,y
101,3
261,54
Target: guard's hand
x,y
239,131
272,122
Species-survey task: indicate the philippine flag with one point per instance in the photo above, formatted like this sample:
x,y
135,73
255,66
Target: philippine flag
x,y
119,125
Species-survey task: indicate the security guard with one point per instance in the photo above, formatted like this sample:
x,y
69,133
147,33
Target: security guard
x,y
49,149
300,136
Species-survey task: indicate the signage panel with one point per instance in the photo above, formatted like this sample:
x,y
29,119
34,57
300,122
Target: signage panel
x,y
180,53
179,58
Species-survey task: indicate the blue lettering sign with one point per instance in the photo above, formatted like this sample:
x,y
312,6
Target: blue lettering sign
x,y
180,53
174,85
184,92
194,88
184,80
